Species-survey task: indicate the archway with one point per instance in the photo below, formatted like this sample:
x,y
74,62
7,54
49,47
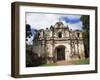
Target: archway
x,y
60,50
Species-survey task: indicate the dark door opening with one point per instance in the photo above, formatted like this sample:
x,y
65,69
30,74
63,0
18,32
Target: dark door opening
x,y
61,53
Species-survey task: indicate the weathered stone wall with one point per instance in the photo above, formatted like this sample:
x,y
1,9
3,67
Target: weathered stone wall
x,y
49,39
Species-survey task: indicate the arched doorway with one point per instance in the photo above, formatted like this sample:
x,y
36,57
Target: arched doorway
x,y
60,50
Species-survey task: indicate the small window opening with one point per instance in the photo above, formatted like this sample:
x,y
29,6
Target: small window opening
x,y
78,34
60,35
38,35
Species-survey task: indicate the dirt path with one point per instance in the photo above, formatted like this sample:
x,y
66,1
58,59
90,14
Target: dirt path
x,y
63,62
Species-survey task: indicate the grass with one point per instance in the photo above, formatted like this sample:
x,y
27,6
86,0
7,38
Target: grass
x,y
84,61
76,62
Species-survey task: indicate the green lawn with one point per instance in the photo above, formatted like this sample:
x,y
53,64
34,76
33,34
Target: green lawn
x,y
84,61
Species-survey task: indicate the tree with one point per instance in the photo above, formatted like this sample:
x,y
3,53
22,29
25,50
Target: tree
x,y
29,54
28,31
85,21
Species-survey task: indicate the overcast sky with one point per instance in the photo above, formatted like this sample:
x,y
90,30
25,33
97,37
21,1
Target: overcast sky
x,y
44,20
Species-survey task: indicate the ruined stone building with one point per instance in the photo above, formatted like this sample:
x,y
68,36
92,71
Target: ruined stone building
x,y
59,43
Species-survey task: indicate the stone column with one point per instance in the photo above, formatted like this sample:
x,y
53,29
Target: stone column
x,y
52,52
67,52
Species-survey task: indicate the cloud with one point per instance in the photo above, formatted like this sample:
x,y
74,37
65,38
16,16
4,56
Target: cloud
x,y
71,21
76,26
42,21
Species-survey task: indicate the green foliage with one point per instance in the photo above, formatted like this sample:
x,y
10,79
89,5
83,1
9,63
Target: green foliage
x,y
28,30
85,21
28,47
33,60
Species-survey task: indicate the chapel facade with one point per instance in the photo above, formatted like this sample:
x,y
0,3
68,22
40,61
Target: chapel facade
x,y
59,43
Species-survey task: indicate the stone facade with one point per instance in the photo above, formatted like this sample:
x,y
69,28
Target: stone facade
x,y
59,43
